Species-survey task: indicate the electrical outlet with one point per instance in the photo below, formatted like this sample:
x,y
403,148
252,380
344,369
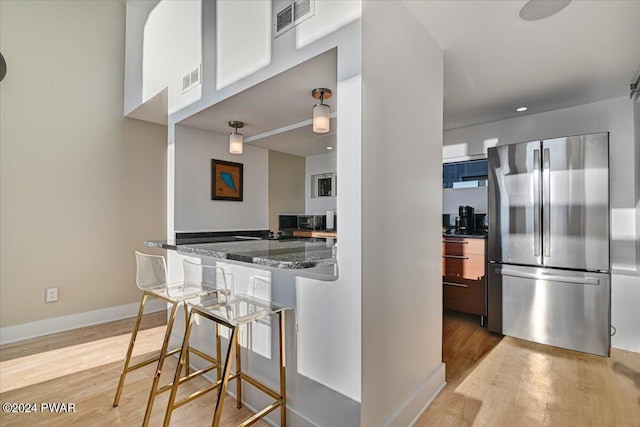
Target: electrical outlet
x,y
51,295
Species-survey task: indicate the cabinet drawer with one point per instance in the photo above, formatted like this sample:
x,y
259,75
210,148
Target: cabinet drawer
x,y
299,233
461,246
464,295
469,266
323,234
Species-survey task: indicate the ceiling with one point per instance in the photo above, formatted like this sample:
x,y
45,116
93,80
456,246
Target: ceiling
x,y
494,61
275,109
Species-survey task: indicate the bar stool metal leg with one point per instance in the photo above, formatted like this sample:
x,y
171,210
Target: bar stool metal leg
x,y
283,365
163,354
238,371
132,341
186,317
222,390
218,350
176,379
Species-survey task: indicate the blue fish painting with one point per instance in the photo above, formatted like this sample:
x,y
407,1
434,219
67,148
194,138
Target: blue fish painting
x,y
227,178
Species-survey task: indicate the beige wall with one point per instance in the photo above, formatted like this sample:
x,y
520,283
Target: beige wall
x,y
286,186
81,186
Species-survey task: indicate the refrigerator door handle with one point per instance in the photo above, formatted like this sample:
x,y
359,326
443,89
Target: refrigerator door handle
x,y
546,202
536,203
523,275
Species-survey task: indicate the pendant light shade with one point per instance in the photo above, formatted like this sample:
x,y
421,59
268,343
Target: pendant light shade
x,y
321,120
236,141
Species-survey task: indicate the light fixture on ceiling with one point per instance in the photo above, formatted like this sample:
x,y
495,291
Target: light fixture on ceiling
x,y
521,109
235,139
321,111
534,10
329,148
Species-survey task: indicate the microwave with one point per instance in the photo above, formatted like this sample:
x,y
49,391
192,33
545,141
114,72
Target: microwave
x,y
311,222
287,222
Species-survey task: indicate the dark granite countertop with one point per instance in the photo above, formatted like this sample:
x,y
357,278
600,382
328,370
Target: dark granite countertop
x,y
299,253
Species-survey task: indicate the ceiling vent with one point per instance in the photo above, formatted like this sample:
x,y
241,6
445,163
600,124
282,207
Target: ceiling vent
x,y
289,13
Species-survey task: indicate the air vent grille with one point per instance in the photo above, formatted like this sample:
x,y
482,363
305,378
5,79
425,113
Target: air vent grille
x,y
289,13
191,80
300,9
195,76
284,18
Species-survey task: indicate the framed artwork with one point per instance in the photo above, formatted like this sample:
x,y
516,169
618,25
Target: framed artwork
x,y
324,185
226,180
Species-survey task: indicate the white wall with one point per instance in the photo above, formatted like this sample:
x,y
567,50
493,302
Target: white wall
x,y
137,14
81,186
453,198
172,48
329,313
194,209
402,82
616,117
323,163
243,38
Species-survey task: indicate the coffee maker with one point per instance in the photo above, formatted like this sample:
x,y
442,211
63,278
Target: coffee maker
x,y
467,223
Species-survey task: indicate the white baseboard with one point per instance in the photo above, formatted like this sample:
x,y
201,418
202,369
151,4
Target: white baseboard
x,y
417,402
39,328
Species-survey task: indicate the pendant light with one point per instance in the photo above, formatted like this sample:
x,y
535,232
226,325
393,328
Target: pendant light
x,y
235,138
321,111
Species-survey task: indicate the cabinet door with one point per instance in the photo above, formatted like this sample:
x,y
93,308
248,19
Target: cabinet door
x,y
461,246
463,275
469,266
464,295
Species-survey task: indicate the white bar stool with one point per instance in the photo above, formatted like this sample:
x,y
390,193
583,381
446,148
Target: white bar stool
x,y
151,279
231,310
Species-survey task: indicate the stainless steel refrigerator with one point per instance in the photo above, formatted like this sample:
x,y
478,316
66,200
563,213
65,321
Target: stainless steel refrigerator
x,y
548,242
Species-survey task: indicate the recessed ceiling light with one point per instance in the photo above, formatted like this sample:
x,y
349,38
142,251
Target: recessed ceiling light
x,y
521,109
534,10
329,148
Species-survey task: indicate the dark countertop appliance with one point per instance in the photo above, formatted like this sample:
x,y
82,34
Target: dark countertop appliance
x,y
467,223
288,223
311,222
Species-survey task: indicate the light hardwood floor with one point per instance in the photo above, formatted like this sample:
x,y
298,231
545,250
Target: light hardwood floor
x,y
83,367
510,382
491,381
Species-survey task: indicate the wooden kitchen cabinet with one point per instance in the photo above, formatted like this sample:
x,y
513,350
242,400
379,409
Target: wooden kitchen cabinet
x,y
309,233
463,275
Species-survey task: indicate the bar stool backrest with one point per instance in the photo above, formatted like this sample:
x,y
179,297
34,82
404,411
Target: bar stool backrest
x,y
207,278
151,271
260,287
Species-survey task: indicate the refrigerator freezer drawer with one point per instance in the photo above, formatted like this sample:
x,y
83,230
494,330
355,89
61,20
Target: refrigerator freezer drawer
x,y
562,308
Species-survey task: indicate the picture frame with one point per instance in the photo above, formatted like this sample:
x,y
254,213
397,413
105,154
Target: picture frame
x,y
226,180
324,185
